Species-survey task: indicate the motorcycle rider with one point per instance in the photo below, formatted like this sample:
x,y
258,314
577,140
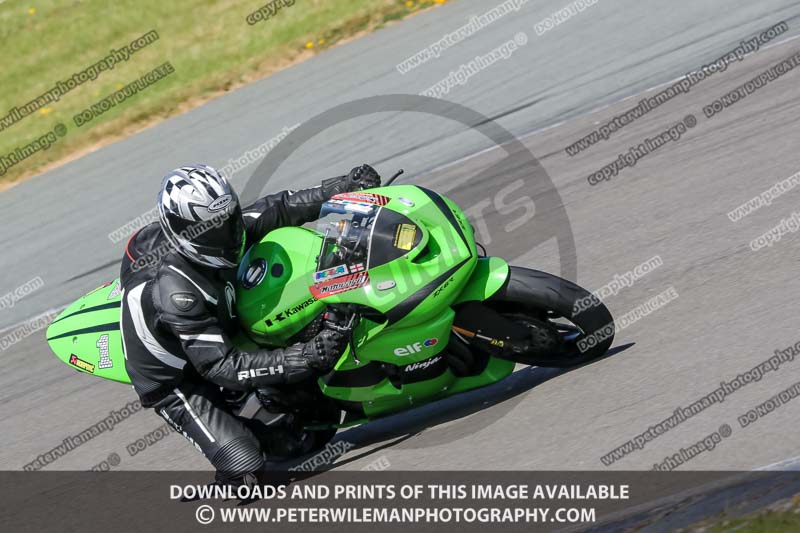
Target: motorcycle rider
x,y
178,309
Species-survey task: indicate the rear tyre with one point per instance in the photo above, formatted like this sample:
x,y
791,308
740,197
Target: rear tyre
x,y
308,424
568,325
331,414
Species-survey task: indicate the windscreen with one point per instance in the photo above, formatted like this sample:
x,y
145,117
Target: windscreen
x,y
359,234
346,230
342,260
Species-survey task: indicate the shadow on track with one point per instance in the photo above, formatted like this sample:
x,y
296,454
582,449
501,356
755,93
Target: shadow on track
x,y
425,422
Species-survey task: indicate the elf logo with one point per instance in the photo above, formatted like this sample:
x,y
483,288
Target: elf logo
x,y
416,347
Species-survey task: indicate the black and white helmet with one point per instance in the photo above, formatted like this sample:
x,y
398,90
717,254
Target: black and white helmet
x,y
200,214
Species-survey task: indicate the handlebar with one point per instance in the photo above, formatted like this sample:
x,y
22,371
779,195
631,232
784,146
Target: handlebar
x,y
396,175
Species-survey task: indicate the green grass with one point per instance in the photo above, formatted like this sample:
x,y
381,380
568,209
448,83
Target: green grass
x,y
780,517
772,522
208,42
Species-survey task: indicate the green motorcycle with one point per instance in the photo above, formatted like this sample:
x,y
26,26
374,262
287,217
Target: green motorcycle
x,y
397,270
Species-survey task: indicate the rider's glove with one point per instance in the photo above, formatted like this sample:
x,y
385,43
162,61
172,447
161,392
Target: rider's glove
x,y
363,177
322,352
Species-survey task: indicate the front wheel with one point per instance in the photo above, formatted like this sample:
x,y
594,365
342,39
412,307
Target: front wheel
x,y
567,324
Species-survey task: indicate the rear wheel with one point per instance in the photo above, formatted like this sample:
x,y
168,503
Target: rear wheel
x,y
307,423
567,325
328,416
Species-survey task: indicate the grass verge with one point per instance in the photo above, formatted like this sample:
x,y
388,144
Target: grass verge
x,y
57,47
780,517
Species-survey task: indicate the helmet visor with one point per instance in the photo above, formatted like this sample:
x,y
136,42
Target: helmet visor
x,y
222,236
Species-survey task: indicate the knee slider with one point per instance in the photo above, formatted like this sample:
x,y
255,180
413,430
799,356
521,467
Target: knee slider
x,y
238,457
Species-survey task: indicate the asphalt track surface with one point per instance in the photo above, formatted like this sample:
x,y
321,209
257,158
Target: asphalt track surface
x,y
735,305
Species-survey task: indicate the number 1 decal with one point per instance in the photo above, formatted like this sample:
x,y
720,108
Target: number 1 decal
x,y
105,361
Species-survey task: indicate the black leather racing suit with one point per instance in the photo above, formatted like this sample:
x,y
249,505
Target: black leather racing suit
x,y
177,322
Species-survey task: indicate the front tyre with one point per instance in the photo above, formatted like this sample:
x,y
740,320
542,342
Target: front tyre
x,y
573,325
